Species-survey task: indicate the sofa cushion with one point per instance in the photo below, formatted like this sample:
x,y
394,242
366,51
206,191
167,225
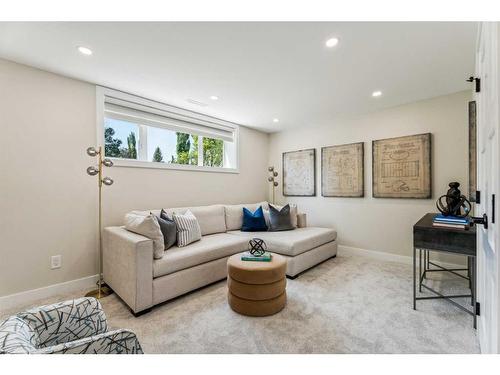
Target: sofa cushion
x,y
293,242
280,219
188,229
253,221
211,218
234,213
168,229
211,247
293,214
148,226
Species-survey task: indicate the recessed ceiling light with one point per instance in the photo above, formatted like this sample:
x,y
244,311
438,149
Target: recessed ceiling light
x,y
376,94
276,120
214,97
332,42
85,51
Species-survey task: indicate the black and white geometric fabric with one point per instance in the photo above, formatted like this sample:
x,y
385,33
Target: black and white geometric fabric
x,y
76,326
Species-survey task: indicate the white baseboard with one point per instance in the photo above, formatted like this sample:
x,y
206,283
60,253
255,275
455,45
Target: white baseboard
x,y
343,250
390,257
23,298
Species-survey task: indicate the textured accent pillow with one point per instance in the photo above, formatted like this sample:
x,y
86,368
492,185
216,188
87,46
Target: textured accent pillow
x,y
168,229
280,219
148,227
188,229
253,221
293,214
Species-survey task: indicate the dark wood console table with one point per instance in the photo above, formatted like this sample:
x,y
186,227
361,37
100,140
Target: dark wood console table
x,y
427,238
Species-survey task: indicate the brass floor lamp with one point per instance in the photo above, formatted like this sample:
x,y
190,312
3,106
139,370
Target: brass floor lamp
x,y
272,180
102,290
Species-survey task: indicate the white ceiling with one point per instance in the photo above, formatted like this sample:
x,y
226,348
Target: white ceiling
x,y
260,71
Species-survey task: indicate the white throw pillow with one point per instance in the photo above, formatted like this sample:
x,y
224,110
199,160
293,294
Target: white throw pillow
x,y
293,214
148,227
188,228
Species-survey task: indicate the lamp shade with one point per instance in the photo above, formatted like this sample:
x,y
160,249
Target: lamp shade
x,y
92,151
107,181
107,162
92,171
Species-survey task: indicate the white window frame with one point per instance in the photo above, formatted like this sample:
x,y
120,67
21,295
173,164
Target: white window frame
x,y
102,92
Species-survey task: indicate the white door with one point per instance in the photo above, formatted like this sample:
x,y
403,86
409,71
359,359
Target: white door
x,y
487,101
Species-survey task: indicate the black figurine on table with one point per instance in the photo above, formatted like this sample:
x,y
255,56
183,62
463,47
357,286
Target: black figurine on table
x,y
456,203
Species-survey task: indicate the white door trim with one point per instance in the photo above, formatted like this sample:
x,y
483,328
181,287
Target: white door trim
x,y
488,128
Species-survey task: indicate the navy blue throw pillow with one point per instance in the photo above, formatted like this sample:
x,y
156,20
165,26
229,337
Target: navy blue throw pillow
x,y
253,222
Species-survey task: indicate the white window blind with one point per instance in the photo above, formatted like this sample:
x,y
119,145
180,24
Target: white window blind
x,y
187,122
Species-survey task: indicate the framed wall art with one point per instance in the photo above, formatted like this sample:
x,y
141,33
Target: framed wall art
x,y
299,173
401,167
342,170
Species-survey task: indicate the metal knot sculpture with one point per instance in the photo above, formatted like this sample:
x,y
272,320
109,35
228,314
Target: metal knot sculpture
x,y
257,247
455,203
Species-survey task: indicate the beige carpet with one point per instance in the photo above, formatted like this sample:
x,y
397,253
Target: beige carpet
x,y
345,305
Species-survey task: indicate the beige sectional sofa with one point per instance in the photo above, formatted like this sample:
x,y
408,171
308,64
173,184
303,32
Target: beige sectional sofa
x,y
142,282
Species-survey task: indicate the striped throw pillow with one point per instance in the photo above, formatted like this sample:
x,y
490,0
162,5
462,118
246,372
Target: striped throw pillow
x,y
188,229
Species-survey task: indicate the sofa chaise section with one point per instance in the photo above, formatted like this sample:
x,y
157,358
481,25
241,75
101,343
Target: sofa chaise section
x,y
292,242
303,247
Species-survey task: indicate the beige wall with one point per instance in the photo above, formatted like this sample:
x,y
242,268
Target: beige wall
x,y
375,223
48,203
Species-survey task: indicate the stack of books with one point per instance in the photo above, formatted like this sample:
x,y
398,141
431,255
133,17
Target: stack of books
x,y
266,257
451,222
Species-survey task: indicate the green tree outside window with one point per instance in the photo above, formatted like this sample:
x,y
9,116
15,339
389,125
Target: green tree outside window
x,y
113,146
213,151
158,156
132,150
187,152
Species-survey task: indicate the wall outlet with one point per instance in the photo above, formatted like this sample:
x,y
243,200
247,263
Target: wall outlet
x,y
55,262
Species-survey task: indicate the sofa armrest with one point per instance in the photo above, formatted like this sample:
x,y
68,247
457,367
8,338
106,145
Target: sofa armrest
x,y
121,341
128,266
301,220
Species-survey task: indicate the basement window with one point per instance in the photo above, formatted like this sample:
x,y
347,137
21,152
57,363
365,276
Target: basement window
x,y
137,132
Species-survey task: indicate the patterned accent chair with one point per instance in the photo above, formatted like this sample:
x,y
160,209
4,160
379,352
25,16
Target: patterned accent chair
x,y
72,327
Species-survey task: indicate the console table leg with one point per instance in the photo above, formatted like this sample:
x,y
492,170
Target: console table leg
x,y
473,290
414,278
425,264
469,267
420,270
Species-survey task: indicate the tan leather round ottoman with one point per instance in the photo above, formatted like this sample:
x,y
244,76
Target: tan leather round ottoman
x,y
256,288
